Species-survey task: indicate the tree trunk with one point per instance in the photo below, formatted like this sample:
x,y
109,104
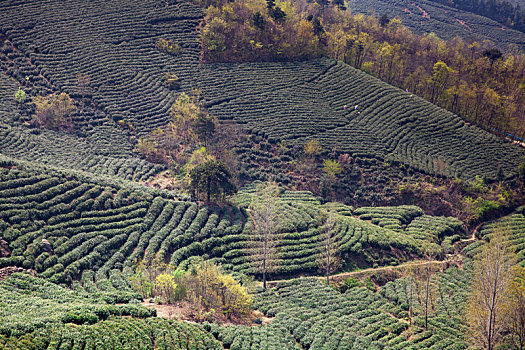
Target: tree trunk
x,y
264,274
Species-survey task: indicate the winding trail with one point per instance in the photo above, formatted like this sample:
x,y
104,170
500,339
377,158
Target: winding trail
x,y
450,260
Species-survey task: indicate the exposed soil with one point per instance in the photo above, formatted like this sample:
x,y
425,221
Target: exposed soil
x,y
183,311
386,273
8,271
162,180
424,13
4,249
464,24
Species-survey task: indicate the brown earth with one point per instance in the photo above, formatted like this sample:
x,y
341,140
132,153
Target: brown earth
x,y
8,271
183,311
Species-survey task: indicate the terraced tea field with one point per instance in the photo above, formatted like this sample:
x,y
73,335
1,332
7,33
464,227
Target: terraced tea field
x,y
37,314
71,231
513,225
291,102
388,124
447,22
105,150
311,315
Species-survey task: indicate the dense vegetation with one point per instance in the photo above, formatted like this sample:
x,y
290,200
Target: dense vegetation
x,y
287,108
37,314
68,230
379,191
502,11
316,317
454,74
514,224
445,20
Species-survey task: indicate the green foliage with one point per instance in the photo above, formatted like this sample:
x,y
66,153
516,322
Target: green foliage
x,y
168,46
204,285
347,284
117,333
29,304
204,127
261,33
211,180
514,225
521,168
331,167
317,316
312,148
20,96
171,81
380,47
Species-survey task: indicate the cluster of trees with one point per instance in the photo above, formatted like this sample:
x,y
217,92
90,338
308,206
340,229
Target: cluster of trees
x,y
471,79
203,285
53,111
471,202
502,11
257,30
196,148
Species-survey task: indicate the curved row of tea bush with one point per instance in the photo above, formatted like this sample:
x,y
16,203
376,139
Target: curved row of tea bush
x,y
116,45
319,317
91,236
66,151
292,102
28,304
514,228
388,123
447,319
445,21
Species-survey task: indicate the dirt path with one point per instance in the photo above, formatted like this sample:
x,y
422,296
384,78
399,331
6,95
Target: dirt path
x,y
372,271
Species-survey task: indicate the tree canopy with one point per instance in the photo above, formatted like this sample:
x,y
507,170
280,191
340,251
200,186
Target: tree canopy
x,y
211,180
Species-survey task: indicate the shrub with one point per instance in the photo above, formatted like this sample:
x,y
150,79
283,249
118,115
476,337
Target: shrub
x,y
169,46
54,111
171,81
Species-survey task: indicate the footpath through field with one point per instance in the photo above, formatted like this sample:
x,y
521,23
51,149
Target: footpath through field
x,y
451,260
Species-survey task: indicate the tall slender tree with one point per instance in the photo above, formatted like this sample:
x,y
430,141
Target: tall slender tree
x,y
490,293
328,259
516,309
422,276
264,210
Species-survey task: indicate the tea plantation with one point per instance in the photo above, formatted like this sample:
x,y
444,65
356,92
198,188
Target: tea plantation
x,y
70,230
514,227
308,314
37,314
291,102
77,212
446,21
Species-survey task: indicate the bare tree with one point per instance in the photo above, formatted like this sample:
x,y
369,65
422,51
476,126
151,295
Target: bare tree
x,y
516,309
421,279
264,210
409,292
490,293
328,259
83,81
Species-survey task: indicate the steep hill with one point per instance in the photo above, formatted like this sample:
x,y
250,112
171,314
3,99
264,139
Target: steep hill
x,y
290,102
447,22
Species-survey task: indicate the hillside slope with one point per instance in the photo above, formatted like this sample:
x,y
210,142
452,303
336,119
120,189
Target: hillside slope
x,y
287,101
447,22
72,230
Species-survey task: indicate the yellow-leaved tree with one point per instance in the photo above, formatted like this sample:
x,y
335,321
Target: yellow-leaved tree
x,y
165,287
516,309
490,296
